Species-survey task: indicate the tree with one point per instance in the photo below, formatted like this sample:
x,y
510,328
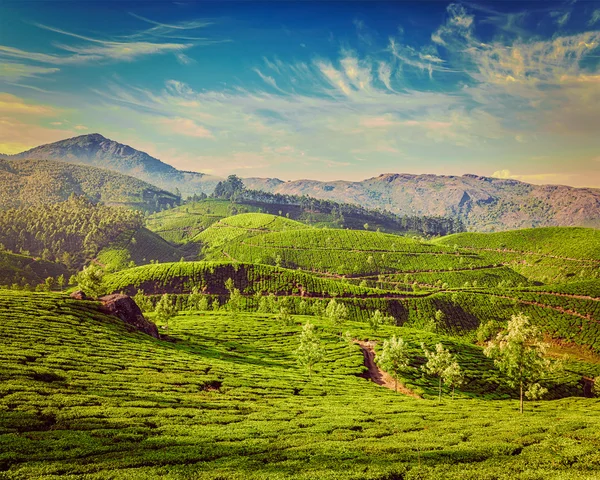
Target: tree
x,y
378,319
49,284
309,352
393,357
284,316
228,189
89,280
60,281
596,387
519,353
165,310
454,376
337,313
438,362
142,301
234,304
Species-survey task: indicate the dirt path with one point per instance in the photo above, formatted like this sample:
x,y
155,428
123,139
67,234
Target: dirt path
x,y
375,374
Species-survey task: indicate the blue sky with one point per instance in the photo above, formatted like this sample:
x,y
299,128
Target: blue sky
x,y
338,90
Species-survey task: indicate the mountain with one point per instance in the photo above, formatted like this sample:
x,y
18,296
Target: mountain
x,y
98,151
482,203
25,183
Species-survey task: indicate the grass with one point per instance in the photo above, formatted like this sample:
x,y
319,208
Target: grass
x,y
81,396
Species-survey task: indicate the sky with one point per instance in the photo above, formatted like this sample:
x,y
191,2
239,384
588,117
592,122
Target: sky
x,y
326,91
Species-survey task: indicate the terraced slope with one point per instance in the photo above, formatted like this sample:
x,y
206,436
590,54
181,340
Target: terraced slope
x,y
245,225
138,247
210,278
349,252
181,224
81,396
547,255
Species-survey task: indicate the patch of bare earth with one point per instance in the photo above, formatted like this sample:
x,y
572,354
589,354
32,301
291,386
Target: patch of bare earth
x,y
378,376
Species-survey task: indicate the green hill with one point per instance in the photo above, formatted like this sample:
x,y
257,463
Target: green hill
x,y
26,270
243,226
568,242
25,183
547,255
83,396
181,224
346,252
137,247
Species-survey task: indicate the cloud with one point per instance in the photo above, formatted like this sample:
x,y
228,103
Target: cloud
x,y
595,17
16,105
80,128
12,71
129,48
17,136
537,178
184,126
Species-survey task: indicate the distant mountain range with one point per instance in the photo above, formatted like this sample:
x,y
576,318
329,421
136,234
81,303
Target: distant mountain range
x,y
482,203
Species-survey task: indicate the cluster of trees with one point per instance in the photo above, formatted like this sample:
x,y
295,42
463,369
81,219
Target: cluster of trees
x,y
344,214
69,232
355,216
518,352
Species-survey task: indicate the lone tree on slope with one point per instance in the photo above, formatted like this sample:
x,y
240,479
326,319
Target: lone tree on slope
x,y
309,352
519,353
442,364
393,358
165,310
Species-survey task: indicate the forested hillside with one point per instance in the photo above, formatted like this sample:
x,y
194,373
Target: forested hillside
x,y
27,183
70,232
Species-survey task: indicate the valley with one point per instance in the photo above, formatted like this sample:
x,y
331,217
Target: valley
x,y
222,395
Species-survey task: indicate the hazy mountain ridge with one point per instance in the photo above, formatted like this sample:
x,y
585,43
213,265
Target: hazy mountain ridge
x,y
25,183
97,151
482,203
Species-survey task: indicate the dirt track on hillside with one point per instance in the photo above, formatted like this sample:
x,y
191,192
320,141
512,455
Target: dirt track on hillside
x,y
375,374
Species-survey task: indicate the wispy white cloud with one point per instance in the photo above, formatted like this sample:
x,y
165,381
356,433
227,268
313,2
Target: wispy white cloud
x,y
128,48
12,71
11,104
184,126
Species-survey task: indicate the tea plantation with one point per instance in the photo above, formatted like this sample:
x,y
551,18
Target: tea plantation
x,y
223,393
223,397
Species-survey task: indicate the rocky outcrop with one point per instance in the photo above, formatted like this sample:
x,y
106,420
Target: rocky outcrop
x,y
79,295
126,309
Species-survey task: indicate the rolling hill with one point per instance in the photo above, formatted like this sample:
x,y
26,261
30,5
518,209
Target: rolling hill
x,y
25,183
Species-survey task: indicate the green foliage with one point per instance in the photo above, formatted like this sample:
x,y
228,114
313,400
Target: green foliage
x,y
70,232
38,183
442,364
309,352
394,358
519,353
337,313
378,319
229,189
89,280
165,310
83,396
